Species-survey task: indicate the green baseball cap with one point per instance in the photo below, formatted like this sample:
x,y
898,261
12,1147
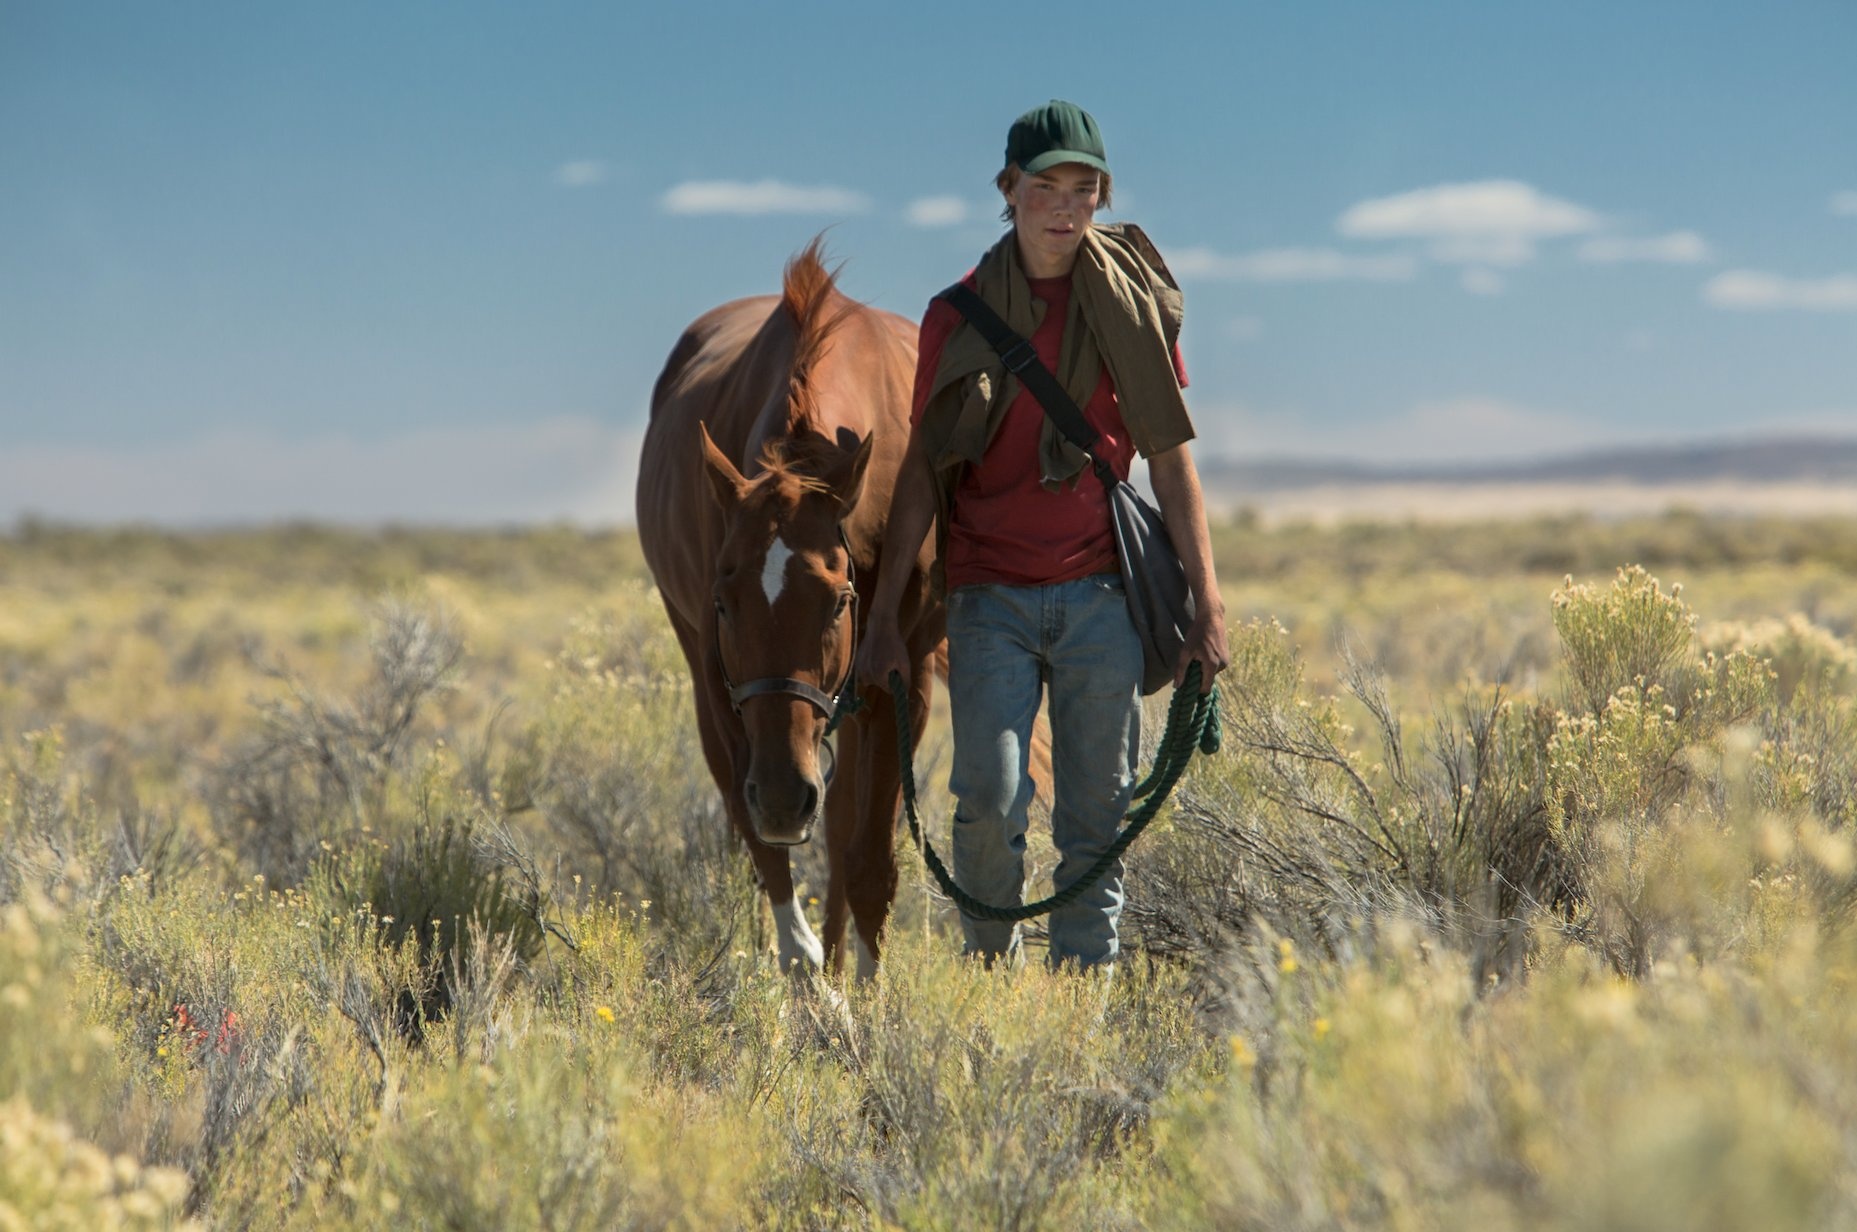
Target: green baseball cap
x,y
1058,132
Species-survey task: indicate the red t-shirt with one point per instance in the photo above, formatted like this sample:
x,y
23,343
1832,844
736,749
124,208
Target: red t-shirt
x,y
1005,526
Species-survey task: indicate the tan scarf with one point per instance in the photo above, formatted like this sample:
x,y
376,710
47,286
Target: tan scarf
x,y
1129,309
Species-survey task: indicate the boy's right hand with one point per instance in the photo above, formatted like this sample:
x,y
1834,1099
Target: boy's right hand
x,y
881,653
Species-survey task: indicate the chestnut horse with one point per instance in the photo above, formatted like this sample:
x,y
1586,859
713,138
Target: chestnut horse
x,y
777,427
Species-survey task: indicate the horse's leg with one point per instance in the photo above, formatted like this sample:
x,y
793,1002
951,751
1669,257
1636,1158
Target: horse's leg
x,y
796,945
842,807
868,884
795,942
871,863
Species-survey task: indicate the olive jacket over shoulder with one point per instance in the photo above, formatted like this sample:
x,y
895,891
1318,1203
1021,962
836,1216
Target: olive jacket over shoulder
x,y
1125,313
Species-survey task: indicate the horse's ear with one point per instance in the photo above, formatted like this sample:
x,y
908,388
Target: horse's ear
x,y
846,477
723,477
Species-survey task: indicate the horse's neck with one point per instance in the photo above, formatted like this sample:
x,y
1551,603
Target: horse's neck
x,y
839,419
772,426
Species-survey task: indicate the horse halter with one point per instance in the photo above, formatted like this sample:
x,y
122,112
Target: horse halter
x,y
828,704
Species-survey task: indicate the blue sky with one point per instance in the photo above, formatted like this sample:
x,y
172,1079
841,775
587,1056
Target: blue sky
x,y
423,261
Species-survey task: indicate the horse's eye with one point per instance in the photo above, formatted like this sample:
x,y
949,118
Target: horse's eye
x,y
720,610
844,601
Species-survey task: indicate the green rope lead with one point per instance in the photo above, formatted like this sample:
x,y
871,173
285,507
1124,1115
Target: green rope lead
x,y
1192,722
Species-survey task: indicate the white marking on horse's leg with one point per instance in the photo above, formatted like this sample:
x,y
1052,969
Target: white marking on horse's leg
x,y
774,569
796,940
867,961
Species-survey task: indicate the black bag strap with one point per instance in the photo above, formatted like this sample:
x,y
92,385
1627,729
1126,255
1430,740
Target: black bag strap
x,y
1022,361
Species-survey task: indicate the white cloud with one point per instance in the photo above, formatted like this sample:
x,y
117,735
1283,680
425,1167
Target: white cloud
x,y
1292,265
1845,203
1755,290
1480,281
1676,248
567,467
1244,329
761,197
581,173
936,212
1484,250
1480,208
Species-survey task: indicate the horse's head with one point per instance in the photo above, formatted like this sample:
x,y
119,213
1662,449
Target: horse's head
x,y
786,620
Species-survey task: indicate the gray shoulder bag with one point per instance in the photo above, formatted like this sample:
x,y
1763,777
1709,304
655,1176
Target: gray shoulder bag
x,y
1160,603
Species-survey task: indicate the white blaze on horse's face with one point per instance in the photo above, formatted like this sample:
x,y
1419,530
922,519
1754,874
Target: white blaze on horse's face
x,y
784,618
785,627
774,570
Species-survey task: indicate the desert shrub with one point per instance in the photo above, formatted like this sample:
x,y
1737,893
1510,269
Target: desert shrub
x,y
259,1034
1006,1099
1264,830
1503,808
321,768
1808,756
442,891
51,1056
1293,827
1801,653
1380,1089
617,774
1631,634
1289,1139
1342,882
1386,1094
553,1136
62,1156
53,1181
614,1096
609,762
204,987
45,840
1618,766
55,838
1373,1080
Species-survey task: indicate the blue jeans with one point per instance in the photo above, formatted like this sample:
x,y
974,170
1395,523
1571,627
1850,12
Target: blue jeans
x,y
1006,645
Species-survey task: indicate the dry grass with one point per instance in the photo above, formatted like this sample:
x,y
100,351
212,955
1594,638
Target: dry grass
x,y
395,895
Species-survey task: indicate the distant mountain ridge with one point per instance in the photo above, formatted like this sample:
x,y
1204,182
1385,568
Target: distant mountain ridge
x,y
1767,460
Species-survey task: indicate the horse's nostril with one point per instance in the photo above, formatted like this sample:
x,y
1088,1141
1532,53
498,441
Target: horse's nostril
x,y
809,805
753,794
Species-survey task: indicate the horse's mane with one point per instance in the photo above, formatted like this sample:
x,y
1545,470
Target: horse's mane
x,y
791,465
810,297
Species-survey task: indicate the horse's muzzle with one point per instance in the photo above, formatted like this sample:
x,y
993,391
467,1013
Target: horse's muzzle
x,y
785,817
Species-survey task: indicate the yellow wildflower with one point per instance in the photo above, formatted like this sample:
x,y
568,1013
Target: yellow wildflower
x,y
604,1013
